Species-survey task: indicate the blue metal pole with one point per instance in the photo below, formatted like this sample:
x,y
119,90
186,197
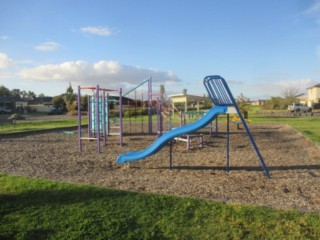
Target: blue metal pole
x,y
135,87
220,94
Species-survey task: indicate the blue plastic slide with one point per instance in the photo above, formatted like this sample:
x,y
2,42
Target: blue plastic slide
x,y
161,141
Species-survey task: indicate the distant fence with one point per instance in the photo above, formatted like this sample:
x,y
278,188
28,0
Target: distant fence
x,y
284,113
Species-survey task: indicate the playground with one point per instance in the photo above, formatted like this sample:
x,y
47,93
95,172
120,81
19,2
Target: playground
x,y
261,164
293,163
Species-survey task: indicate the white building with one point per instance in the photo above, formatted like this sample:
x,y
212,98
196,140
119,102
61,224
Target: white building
x,y
313,95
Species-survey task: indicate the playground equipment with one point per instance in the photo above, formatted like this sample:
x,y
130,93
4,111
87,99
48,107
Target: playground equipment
x,y
149,100
98,115
237,121
222,98
188,138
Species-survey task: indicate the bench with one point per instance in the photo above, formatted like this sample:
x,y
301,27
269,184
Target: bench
x,y
188,139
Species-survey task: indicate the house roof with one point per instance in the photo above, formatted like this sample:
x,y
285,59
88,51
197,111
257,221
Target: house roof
x,y
302,96
315,86
7,99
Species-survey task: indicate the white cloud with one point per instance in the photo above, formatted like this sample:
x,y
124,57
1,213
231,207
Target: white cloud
x,y
48,47
314,8
273,89
300,84
5,61
100,31
108,74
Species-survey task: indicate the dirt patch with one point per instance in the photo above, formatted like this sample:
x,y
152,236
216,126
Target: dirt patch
x,y
293,161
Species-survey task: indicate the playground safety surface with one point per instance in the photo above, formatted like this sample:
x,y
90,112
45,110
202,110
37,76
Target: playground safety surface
x,y
293,161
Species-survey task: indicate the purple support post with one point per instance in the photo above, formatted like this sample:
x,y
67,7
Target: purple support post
x,y
108,111
217,131
98,118
120,116
169,110
104,117
171,142
201,141
89,117
228,123
188,142
150,105
79,119
159,117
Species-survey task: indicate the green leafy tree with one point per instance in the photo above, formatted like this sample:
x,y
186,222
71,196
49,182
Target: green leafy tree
x,y
4,91
59,102
31,95
23,94
275,103
70,99
16,93
84,102
243,102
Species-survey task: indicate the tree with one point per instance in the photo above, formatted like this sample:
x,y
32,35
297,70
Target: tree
x,y
290,96
59,102
243,102
70,99
275,103
4,91
41,95
84,102
184,91
31,95
23,94
16,93
162,91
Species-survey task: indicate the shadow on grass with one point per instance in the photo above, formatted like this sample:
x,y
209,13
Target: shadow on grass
x,y
61,196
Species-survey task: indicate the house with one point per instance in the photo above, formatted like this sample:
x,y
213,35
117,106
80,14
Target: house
x,y
183,101
302,98
7,102
313,95
258,103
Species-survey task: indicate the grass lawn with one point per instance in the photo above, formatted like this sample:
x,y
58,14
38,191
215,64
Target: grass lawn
x,y
41,209
22,126
309,126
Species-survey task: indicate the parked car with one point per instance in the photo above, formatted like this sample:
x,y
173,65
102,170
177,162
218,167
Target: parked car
x,y
5,110
297,107
55,111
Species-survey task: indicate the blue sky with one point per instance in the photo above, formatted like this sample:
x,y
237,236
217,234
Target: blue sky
x,y
260,47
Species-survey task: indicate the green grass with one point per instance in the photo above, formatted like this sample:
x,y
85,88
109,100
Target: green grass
x,y
309,126
41,209
22,126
